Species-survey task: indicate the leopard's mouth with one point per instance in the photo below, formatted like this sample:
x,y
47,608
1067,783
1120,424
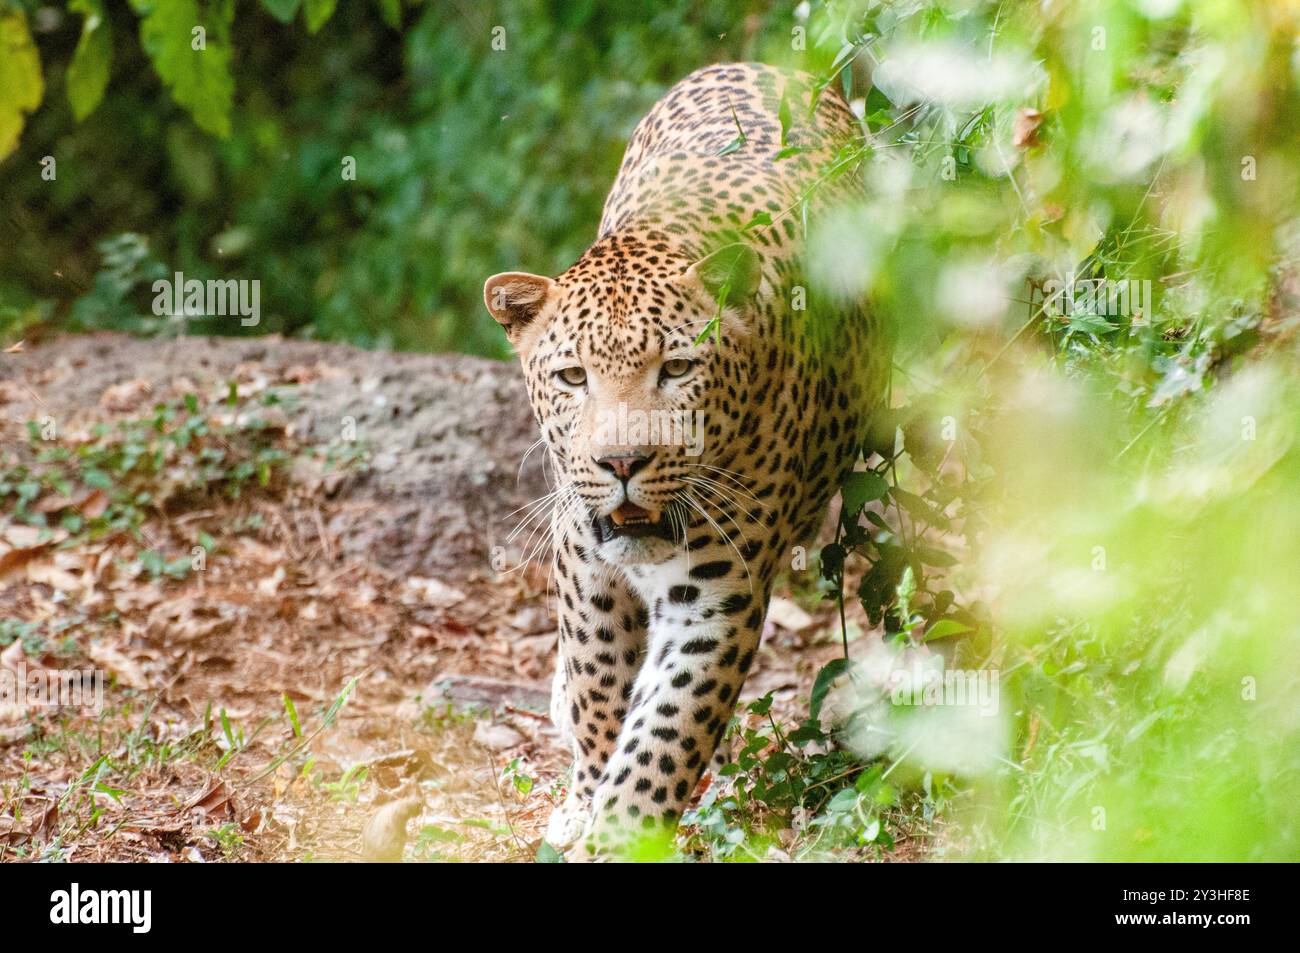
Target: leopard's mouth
x,y
632,521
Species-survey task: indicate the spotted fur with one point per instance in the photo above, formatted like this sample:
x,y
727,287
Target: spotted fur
x,y
657,632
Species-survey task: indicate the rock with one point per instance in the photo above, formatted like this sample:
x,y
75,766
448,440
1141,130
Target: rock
x,y
384,837
497,737
465,691
788,615
446,432
532,620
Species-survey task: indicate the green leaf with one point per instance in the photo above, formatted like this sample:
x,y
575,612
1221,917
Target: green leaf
x,y
391,10
877,109
843,801
945,628
152,561
832,560
546,854
732,146
114,793
714,327
282,10
822,685
318,12
227,730
292,711
878,120
1091,324
860,488
88,71
905,589
783,114
920,509
20,78
935,557
199,79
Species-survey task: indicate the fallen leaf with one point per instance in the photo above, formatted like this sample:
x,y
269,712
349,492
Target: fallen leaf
x,y
788,615
13,656
12,833
213,799
125,669
12,560
1025,133
125,396
270,585
55,573
48,823
94,505
435,592
53,503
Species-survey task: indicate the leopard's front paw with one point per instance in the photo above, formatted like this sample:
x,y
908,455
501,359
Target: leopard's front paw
x,y
567,822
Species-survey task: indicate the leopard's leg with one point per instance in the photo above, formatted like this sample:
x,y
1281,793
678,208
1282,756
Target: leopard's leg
x,y
602,626
704,630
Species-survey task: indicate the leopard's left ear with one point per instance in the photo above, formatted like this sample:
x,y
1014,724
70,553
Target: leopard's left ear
x,y
735,267
515,298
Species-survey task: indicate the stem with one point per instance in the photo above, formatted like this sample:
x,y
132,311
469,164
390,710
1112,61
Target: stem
x,y
839,586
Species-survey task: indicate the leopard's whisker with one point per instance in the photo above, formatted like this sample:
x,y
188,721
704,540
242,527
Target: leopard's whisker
x,y
558,514
542,529
680,522
716,489
689,324
723,510
699,509
527,453
538,509
533,506
733,480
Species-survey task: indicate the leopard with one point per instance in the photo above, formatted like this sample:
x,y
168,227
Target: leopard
x,y
692,309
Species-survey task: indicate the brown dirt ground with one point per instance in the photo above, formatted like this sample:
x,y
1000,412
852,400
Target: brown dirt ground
x,y
383,576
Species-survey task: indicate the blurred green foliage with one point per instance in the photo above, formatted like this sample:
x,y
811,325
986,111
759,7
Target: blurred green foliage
x,y
468,159
1098,494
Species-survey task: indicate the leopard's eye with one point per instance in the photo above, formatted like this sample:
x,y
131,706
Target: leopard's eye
x,y
573,376
678,367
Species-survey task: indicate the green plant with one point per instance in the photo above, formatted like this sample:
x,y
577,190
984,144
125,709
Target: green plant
x,y
108,483
348,786
229,839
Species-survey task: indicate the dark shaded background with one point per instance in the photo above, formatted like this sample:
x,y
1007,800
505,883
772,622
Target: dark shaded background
x,y
469,161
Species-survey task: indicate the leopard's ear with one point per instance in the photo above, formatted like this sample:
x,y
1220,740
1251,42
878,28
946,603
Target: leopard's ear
x,y
514,298
735,267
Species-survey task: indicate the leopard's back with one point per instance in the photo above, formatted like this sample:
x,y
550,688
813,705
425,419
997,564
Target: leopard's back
x,y
722,129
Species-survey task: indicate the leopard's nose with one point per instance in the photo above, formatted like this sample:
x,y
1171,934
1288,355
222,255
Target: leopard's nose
x,y
623,465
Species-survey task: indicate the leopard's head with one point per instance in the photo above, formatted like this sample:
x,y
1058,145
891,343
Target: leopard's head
x,y
641,410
